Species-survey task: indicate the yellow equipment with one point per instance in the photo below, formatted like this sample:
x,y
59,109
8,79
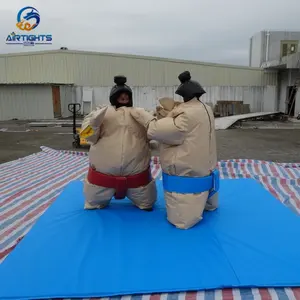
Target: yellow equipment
x,y
86,132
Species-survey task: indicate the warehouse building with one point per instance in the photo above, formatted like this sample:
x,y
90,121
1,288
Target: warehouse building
x,y
40,85
278,51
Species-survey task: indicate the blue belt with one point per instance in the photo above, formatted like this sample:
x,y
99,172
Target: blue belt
x,y
192,185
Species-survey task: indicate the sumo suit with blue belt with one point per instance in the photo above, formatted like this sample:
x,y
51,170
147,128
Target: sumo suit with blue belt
x,y
188,156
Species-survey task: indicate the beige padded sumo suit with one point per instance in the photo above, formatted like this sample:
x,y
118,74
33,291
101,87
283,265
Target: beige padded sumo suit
x,y
186,133
119,154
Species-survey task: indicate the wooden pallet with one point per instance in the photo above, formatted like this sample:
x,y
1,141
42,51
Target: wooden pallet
x,y
231,108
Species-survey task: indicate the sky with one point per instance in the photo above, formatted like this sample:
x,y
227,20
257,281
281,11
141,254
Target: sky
x,y
204,30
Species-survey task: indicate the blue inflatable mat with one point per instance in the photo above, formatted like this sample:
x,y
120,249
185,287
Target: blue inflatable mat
x,y
252,240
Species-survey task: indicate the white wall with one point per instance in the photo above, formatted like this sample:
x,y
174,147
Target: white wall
x,y
26,102
147,97
275,42
258,46
255,59
67,94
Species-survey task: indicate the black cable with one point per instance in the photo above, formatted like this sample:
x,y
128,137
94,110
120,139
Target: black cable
x,y
210,125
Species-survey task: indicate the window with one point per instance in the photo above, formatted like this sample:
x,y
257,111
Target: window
x,y
284,50
288,48
293,48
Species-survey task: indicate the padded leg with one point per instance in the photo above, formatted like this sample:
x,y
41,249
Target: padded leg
x,y
143,197
97,197
185,210
212,203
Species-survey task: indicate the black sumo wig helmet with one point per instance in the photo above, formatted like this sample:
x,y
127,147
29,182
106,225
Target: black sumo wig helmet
x,y
119,89
188,88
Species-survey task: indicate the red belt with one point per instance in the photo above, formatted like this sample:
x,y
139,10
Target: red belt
x,y
120,183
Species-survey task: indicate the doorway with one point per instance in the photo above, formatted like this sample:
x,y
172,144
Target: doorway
x,y
291,100
56,101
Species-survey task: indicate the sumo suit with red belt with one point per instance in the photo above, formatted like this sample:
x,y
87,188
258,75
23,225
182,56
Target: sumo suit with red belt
x,y
119,155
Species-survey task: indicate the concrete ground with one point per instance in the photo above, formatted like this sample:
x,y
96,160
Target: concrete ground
x,y
279,145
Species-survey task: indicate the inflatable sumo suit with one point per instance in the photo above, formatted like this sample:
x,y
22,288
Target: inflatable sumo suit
x,y
119,154
186,133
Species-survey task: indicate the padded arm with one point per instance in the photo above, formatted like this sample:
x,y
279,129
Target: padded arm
x,y
170,131
90,128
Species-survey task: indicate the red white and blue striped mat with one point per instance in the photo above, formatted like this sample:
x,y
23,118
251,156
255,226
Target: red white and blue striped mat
x,y
30,184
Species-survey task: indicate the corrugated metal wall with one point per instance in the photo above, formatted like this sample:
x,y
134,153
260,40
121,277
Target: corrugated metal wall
x,y
270,99
147,96
35,68
96,69
35,101
25,102
99,70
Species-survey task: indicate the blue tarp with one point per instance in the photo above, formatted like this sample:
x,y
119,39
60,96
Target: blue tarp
x,y
250,241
